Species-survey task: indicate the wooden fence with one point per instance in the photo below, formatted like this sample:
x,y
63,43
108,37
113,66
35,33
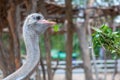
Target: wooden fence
x,y
102,65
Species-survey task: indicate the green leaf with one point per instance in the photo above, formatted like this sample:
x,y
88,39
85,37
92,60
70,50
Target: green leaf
x,y
56,27
96,29
114,33
113,51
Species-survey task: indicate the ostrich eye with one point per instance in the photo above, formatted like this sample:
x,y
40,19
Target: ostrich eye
x,y
38,18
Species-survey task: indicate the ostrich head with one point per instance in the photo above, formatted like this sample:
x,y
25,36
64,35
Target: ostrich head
x,y
36,23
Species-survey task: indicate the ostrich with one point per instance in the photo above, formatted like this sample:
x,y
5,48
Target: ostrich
x,y
34,25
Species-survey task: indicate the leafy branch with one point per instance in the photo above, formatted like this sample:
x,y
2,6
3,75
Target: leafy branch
x,y
105,37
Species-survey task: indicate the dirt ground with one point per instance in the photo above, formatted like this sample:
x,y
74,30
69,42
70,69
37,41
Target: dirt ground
x,y
81,77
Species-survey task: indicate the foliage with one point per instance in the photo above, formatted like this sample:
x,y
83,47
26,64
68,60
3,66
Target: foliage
x,y
109,40
58,42
56,27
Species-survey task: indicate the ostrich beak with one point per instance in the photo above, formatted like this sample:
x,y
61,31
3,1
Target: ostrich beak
x,y
50,23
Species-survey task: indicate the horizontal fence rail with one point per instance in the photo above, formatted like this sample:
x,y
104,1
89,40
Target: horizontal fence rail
x,y
77,66
102,65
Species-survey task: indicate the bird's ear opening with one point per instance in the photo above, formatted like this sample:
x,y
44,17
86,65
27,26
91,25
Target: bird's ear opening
x,y
31,22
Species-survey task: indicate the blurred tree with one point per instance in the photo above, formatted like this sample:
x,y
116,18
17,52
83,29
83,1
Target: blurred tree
x,y
69,39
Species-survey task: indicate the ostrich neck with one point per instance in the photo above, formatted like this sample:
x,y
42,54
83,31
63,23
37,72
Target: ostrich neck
x,y
32,45
33,55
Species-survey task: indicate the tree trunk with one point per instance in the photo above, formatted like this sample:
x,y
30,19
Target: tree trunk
x,y
38,77
69,40
15,46
10,54
47,43
81,31
48,55
43,68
